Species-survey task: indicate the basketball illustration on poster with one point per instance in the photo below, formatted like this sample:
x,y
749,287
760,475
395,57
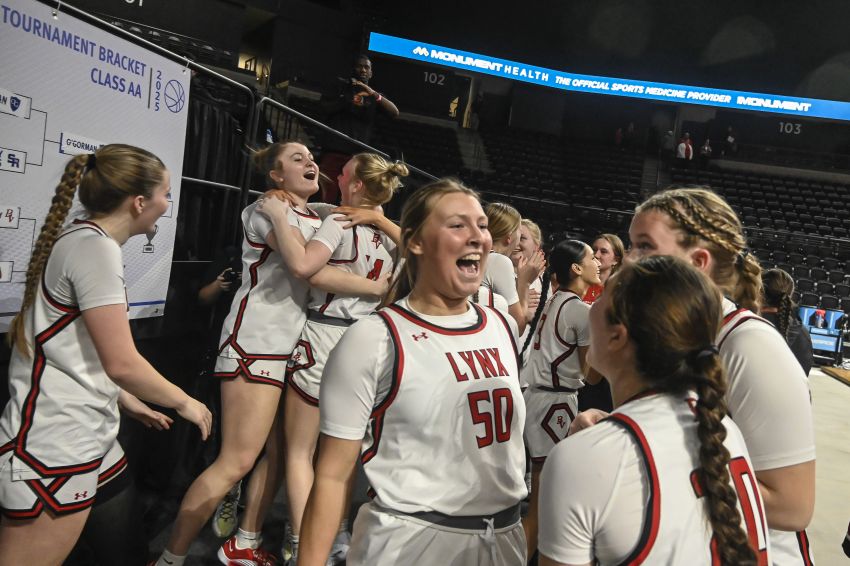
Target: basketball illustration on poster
x,y
92,89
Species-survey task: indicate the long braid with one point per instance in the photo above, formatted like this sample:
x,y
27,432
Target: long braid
x,y
59,207
538,312
731,541
651,297
784,314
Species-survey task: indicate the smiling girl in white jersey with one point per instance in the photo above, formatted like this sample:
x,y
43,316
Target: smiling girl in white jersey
x,y
367,182
258,337
427,392
73,354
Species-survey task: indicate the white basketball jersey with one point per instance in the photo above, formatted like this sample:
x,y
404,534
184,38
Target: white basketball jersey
x,y
63,413
676,528
787,548
269,308
554,361
486,296
362,251
447,437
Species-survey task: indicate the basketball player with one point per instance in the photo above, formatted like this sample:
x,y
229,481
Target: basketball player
x,y
367,181
768,395
557,366
530,239
258,336
427,392
504,222
609,250
642,486
73,354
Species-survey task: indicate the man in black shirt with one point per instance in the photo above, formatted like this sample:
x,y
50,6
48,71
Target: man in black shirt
x,y
352,113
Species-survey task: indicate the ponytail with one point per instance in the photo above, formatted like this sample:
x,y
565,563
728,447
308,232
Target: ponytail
x,y
747,292
59,207
721,499
381,178
649,298
544,291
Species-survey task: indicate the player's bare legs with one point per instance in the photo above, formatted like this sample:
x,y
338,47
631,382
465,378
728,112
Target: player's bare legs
x,y
46,540
248,411
265,479
529,523
301,427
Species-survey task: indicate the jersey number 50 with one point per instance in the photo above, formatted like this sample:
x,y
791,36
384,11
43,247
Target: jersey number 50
x,y
497,422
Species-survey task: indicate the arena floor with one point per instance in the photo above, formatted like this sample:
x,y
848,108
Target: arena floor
x,y
831,399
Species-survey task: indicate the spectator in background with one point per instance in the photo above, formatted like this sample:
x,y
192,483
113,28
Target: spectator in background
x,y
668,148
705,153
352,113
780,310
685,151
730,144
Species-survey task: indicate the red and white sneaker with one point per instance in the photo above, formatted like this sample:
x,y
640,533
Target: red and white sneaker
x,y
230,555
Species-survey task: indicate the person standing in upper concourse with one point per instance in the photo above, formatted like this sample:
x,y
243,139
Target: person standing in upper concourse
x,y
352,112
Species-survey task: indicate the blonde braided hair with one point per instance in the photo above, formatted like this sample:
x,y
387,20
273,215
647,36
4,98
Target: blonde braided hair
x,y
706,220
104,179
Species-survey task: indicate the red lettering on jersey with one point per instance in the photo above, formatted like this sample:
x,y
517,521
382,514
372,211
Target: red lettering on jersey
x,y
749,505
376,272
458,375
487,367
494,353
469,358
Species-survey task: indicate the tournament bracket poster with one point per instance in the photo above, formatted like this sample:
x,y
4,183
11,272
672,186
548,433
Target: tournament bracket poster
x,y
67,87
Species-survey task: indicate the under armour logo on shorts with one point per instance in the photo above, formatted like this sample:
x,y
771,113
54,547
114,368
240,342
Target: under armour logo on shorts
x,y
82,495
264,372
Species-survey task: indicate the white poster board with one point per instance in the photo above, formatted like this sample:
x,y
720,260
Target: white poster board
x,y
67,87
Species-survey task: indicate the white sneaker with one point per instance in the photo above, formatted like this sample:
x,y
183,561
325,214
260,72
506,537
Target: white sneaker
x,y
226,516
339,550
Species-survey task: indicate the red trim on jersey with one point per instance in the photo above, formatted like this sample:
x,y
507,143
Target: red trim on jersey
x,y
510,335
232,339
653,509
356,251
38,506
90,224
381,408
113,471
328,298
28,409
553,367
477,327
244,370
66,308
558,316
309,399
738,323
47,496
732,315
253,244
309,214
805,550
